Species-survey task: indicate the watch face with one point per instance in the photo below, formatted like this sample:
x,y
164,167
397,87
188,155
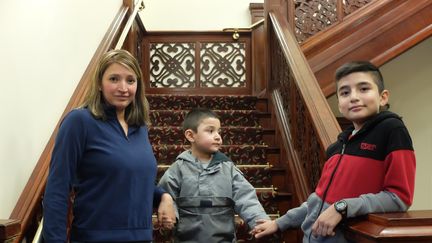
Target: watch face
x,y
341,206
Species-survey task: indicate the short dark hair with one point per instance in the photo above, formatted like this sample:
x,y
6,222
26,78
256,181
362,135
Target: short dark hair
x,y
195,117
360,66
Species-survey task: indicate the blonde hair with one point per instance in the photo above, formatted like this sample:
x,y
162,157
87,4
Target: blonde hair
x,y
137,113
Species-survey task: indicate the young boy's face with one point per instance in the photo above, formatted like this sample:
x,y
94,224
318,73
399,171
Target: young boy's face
x,y
359,98
207,139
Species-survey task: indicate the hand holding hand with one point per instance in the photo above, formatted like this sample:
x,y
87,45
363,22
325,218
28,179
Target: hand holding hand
x,y
264,227
166,212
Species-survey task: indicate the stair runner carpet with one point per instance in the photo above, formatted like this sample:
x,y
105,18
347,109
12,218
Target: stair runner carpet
x,y
242,137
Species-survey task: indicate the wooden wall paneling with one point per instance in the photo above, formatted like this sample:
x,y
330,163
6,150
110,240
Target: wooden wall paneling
x,y
197,37
258,51
379,32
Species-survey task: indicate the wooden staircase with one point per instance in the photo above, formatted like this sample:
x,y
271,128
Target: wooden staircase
x,y
248,137
293,122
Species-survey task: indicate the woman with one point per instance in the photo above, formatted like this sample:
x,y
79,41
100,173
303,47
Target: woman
x,y
102,153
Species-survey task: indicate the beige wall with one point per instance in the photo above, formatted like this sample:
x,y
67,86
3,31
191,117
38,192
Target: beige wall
x,y
409,80
45,47
196,14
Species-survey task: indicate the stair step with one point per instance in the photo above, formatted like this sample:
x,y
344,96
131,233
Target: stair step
x,y
244,118
188,102
230,135
239,154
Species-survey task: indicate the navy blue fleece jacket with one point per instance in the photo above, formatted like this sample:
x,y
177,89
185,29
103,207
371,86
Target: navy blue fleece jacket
x,y
112,175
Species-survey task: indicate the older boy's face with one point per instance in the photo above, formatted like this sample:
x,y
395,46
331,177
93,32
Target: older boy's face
x,y
207,139
359,98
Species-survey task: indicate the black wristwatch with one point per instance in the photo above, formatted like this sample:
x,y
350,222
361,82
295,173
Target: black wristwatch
x,y
342,208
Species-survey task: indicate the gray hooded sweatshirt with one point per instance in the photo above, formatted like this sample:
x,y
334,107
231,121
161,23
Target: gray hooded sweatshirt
x,y
208,198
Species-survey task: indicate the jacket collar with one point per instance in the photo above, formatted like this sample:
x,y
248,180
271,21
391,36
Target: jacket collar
x,y
369,124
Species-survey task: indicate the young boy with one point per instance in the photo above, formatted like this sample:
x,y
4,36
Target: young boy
x,y
207,187
370,168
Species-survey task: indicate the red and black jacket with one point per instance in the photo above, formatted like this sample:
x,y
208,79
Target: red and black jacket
x,y
379,157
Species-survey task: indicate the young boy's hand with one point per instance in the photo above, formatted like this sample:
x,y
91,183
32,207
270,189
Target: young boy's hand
x,y
166,212
264,227
326,222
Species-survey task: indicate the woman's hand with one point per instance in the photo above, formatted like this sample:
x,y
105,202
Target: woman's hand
x,y
166,212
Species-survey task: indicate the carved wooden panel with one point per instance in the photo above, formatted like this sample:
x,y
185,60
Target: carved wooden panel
x,y
223,65
172,65
312,16
190,63
304,138
349,6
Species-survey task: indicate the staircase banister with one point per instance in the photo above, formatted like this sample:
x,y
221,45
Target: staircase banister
x,y
323,118
348,23
378,32
411,226
9,230
31,195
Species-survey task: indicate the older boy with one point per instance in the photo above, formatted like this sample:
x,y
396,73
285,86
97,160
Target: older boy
x,y
207,187
371,167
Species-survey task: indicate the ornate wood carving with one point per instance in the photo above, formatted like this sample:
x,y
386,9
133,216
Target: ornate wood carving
x,y
223,65
378,32
313,16
350,6
190,63
307,123
309,17
302,133
172,65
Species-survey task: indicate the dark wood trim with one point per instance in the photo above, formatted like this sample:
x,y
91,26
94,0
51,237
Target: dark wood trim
x,y
32,194
9,229
321,115
258,50
301,186
196,37
411,226
403,46
377,32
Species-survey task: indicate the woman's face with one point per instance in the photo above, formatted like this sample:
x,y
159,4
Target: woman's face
x,y
119,85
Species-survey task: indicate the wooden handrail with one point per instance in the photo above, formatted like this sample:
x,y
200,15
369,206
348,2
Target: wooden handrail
x,y
411,226
30,200
298,76
321,114
138,7
377,32
9,230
